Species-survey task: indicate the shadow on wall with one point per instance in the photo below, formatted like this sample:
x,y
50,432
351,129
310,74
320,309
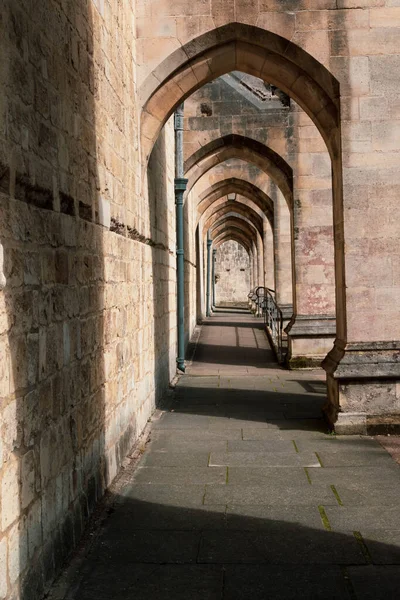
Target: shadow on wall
x,y
159,180
59,356
189,310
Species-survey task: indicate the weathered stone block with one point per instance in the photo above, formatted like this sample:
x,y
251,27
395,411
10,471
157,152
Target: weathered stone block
x,y
3,568
10,490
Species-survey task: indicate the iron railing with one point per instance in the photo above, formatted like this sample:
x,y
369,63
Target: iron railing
x,y
256,297
263,303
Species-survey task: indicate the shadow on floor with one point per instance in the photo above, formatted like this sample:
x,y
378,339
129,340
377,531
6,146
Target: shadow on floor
x,y
271,404
193,549
231,323
239,355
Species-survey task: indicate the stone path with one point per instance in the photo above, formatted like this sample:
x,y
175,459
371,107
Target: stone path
x,y
242,493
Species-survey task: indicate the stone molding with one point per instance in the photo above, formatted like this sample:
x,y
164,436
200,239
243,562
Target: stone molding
x,y
363,360
311,326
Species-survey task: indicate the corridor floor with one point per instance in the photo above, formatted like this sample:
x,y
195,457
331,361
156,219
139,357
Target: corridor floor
x,y
242,493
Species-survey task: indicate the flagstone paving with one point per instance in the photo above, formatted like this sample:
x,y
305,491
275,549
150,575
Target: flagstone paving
x,y
242,493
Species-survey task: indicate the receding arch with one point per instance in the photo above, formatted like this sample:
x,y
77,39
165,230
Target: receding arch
x,y
230,209
252,50
231,218
244,148
240,204
238,236
235,222
238,186
230,237
272,58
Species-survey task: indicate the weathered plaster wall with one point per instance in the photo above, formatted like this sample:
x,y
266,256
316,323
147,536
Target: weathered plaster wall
x,y
232,270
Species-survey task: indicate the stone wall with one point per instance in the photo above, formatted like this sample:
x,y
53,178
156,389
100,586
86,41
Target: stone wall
x,y
232,271
87,305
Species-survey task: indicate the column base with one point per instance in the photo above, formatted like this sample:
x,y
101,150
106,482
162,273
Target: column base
x,y
363,387
310,338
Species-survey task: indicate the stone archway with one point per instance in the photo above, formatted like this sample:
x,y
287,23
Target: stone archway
x,y
251,151
246,48
233,208
272,58
239,186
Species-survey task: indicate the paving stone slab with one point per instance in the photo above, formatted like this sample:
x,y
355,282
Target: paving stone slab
x,y
353,495
197,382
349,518
208,410
150,547
276,494
383,544
305,426
180,582
159,458
281,459
290,430
375,583
364,478
164,494
259,517
287,546
152,516
227,423
336,443
288,476
308,412
270,445
284,583
185,435
102,580
197,445
180,475
355,458
181,421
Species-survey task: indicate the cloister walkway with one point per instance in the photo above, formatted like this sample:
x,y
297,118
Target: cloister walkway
x,y
242,493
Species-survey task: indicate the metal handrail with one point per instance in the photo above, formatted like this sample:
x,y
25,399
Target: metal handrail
x,y
253,296
273,319
265,303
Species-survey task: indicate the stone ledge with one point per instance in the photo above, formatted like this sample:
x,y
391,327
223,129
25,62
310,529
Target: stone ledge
x,y
363,360
311,326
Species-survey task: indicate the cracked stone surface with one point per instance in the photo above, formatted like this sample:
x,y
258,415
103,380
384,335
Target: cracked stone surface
x,y
243,493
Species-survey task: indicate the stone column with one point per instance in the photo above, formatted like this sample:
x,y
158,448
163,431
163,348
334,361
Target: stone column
x,y
363,368
260,262
200,277
268,237
311,331
282,255
251,267
255,264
